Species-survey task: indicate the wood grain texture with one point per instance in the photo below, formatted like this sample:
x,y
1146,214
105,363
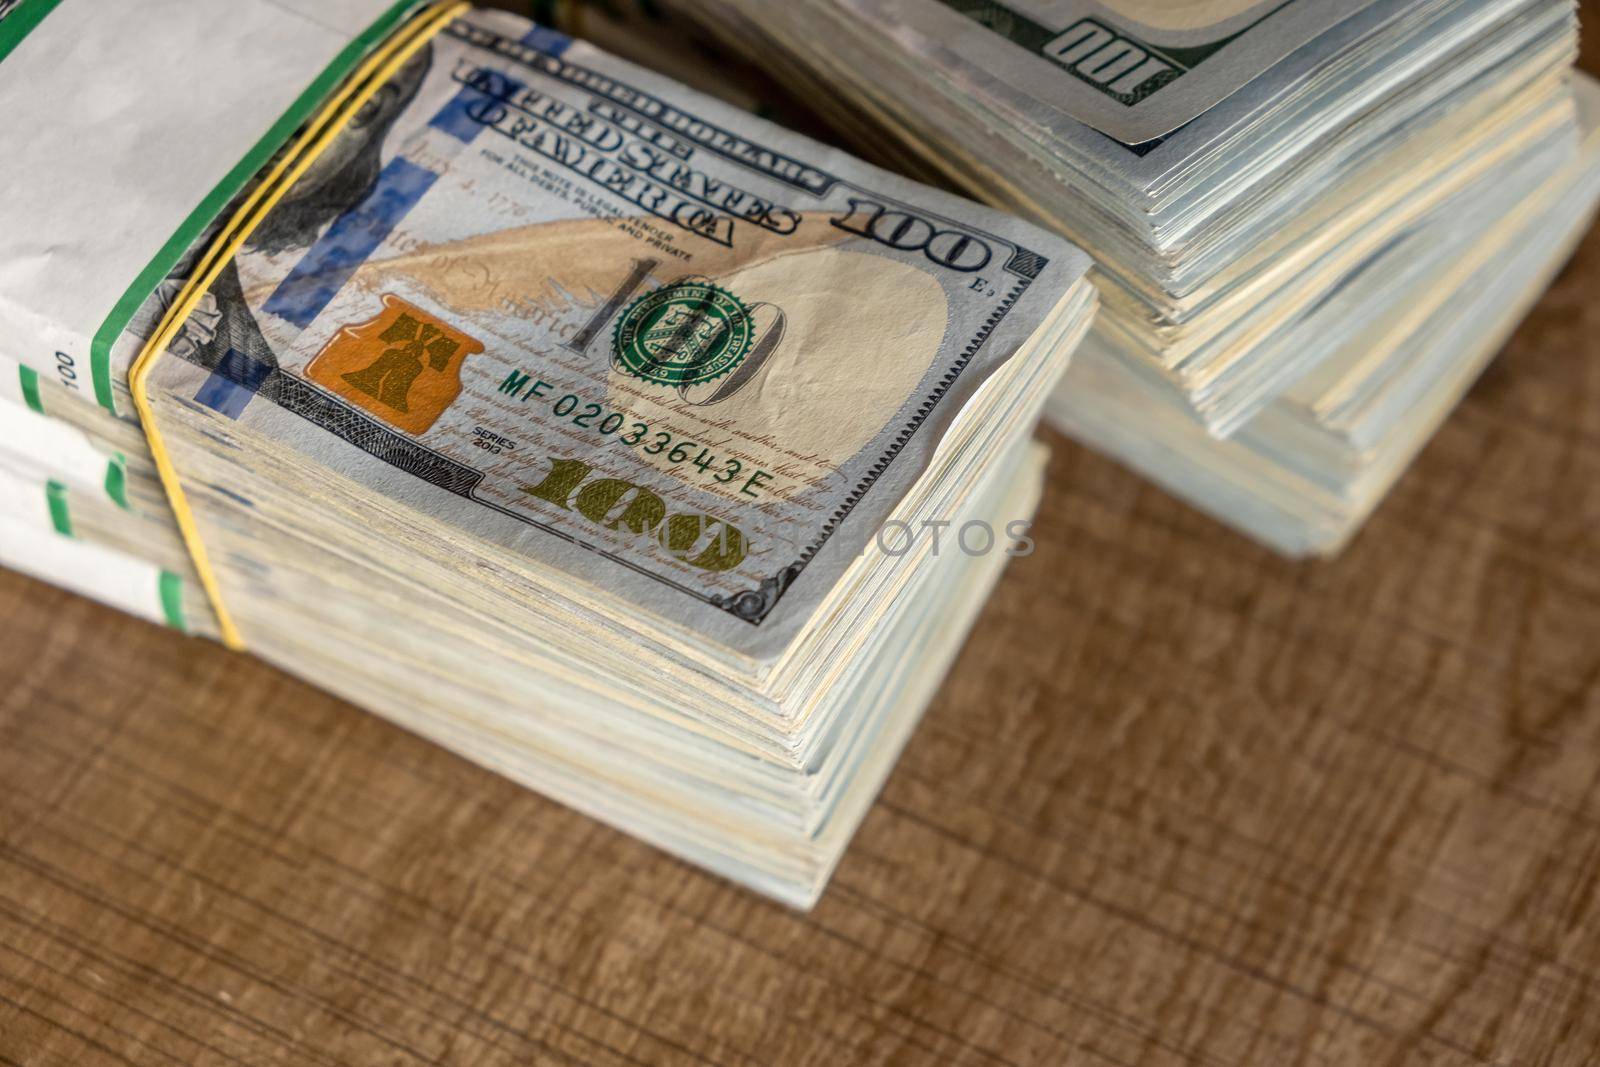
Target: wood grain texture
x,y
1180,802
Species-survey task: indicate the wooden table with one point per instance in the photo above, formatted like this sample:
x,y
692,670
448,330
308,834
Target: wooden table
x,y
1180,802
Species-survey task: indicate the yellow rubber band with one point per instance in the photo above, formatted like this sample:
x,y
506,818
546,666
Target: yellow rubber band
x,y
372,75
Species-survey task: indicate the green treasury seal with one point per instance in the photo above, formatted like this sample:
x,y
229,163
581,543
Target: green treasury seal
x,y
684,333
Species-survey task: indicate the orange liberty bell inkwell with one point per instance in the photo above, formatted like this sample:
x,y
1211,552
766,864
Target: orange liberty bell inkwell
x,y
402,365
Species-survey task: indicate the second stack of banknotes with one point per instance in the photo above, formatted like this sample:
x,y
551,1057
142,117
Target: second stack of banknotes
x,y
623,442
1313,221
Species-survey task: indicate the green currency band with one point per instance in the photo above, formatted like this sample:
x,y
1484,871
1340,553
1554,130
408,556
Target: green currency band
x,y
21,22
117,481
29,380
685,333
225,190
60,517
171,589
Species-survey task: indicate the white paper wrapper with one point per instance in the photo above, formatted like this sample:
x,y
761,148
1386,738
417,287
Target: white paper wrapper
x,y
129,126
116,580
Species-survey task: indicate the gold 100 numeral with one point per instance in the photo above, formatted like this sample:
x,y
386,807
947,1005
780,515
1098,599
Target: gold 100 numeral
x,y
901,229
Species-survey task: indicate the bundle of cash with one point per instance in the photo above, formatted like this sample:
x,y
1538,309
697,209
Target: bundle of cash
x,y
1259,182
610,436
1404,341
84,507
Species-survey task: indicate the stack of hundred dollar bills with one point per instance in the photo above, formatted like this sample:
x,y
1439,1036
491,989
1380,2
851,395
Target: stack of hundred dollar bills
x,y
625,443
1313,221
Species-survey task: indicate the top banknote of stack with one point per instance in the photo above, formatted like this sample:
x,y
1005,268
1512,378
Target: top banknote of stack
x,y
592,428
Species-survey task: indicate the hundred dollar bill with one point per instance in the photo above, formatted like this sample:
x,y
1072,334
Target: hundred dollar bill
x,y
1133,69
656,347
